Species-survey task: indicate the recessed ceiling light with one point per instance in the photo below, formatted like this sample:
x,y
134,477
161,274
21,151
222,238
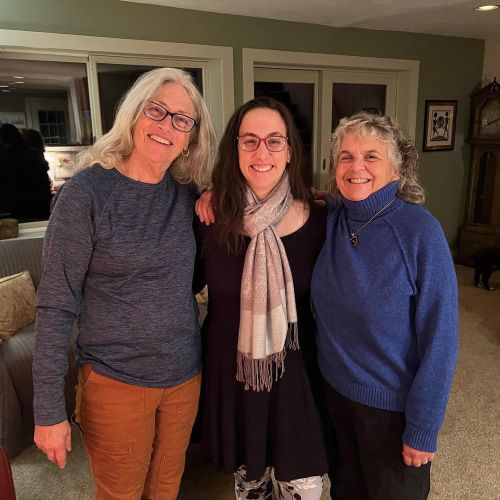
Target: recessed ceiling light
x,y
18,82
18,77
4,90
4,86
486,8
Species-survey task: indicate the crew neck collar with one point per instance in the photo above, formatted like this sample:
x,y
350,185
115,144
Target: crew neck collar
x,y
146,185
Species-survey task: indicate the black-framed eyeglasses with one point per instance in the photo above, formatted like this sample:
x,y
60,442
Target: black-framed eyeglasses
x,y
250,142
157,112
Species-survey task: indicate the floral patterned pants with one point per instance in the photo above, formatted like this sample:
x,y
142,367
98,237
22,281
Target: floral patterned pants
x,y
309,488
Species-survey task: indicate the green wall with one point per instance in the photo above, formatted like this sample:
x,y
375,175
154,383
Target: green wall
x,y
450,68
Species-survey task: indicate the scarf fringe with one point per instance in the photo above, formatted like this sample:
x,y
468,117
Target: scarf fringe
x,y
292,337
259,374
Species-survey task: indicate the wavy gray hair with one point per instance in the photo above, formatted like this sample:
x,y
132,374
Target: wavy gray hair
x,y
113,147
402,152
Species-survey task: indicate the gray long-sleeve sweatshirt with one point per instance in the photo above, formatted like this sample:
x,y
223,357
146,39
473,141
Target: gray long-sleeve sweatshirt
x,y
118,256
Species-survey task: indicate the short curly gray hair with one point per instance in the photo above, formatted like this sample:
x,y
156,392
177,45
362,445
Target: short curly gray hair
x,y
402,152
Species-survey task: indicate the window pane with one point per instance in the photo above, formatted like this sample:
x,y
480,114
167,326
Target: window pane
x,y
348,98
54,101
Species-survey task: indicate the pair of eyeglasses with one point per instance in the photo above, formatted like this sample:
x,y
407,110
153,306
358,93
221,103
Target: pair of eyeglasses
x,y
157,112
274,143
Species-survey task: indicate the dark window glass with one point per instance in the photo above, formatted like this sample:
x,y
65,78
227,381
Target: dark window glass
x,y
53,101
348,98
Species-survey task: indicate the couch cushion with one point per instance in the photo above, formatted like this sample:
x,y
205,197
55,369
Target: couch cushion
x,y
17,303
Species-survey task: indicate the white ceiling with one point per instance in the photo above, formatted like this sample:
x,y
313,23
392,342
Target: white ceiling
x,y
438,17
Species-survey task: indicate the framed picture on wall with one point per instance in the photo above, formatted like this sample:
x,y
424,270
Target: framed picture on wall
x,y
440,122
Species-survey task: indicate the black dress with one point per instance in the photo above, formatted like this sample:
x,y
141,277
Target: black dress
x,y
280,428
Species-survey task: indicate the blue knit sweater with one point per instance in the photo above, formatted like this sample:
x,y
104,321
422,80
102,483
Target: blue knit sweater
x,y
387,311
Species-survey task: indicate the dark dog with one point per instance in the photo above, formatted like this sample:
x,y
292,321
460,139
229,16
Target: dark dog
x,y
485,262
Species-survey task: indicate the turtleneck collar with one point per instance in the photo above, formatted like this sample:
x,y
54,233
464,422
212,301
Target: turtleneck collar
x,y
365,209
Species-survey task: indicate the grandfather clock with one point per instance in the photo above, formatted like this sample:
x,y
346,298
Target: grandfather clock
x,y
482,223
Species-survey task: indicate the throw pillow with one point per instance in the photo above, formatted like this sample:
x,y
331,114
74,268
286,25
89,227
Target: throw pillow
x,y
17,303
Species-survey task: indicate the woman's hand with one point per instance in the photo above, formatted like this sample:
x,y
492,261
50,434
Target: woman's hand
x,y
416,458
54,441
319,195
203,208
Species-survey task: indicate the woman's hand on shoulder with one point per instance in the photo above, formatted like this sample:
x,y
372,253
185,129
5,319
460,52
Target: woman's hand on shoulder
x,y
320,196
204,209
416,458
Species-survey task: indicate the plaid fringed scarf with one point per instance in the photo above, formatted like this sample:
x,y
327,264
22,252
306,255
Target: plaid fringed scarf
x,y
268,315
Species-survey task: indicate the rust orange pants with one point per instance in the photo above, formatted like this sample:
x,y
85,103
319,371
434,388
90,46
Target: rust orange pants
x,y
136,437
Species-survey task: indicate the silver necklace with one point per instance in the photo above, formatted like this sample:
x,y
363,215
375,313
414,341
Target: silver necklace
x,y
354,235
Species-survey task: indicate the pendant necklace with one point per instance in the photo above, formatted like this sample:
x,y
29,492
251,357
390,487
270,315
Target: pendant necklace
x,y
354,235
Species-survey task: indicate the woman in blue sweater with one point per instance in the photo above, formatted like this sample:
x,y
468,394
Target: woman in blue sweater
x,y
385,293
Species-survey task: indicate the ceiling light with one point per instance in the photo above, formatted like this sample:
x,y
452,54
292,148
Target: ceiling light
x,y
4,86
4,90
486,8
18,77
18,82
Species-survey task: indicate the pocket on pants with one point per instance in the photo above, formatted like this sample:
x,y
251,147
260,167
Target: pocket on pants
x,y
122,453
113,413
188,396
85,373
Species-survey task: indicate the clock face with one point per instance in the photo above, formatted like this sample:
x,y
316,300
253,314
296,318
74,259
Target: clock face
x,y
489,118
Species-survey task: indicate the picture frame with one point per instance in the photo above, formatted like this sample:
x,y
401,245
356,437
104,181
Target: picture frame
x,y
440,125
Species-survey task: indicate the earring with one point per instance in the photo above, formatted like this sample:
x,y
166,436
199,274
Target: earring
x,y
185,152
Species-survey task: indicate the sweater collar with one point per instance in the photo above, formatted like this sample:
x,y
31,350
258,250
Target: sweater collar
x,y
367,208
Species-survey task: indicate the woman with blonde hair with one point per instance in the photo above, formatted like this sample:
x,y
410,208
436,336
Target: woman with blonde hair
x,y
119,256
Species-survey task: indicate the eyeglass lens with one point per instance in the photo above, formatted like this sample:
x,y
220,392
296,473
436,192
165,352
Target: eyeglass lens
x,y
274,143
157,112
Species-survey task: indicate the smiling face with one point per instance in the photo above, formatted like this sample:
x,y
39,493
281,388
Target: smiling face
x,y
363,166
263,169
157,143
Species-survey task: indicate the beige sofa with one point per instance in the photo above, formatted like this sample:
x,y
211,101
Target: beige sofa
x,y
16,355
